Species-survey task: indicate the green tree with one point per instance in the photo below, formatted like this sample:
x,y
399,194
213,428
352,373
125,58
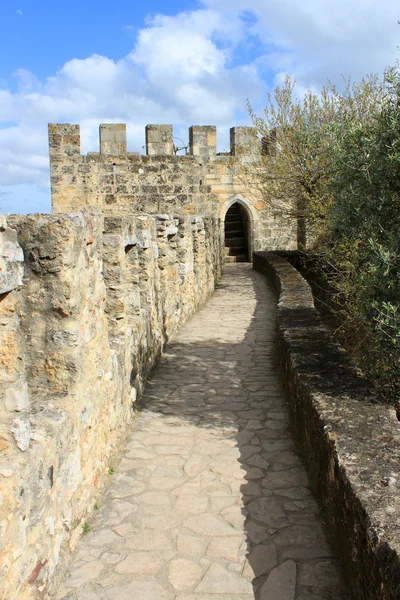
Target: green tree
x,y
331,163
298,134
363,230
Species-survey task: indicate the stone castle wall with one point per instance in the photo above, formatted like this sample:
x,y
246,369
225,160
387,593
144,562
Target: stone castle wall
x,y
88,297
117,182
80,332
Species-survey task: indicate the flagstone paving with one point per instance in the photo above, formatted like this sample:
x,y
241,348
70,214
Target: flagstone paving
x,y
210,500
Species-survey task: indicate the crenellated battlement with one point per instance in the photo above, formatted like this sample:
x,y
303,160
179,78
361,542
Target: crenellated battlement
x,y
114,180
65,140
164,180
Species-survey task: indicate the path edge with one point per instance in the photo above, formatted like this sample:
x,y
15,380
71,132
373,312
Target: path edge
x,y
349,441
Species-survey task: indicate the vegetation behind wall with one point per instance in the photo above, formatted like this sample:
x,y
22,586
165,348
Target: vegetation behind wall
x,y
336,172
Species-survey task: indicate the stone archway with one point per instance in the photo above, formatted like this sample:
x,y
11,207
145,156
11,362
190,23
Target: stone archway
x,y
241,222
236,234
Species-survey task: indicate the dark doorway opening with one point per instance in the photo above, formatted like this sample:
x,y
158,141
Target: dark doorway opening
x,y
236,234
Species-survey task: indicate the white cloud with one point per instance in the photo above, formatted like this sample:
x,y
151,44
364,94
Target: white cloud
x,y
196,67
19,12
324,38
177,73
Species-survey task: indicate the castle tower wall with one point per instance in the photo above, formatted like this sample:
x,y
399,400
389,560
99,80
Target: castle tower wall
x,y
117,182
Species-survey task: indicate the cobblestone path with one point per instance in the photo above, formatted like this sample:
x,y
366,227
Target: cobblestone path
x,y
210,501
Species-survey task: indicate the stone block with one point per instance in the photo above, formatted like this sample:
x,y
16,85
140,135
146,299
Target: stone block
x,y
112,139
203,140
21,429
159,140
16,396
11,259
64,140
243,141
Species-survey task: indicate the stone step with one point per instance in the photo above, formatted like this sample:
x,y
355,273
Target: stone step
x,y
229,235
234,227
235,242
235,251
236,259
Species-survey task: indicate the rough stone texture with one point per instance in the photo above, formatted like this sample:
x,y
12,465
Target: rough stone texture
x,y
241,138
203,140
99,299
11,258
281,583
112,139
198,519
351,442
202,183
159,140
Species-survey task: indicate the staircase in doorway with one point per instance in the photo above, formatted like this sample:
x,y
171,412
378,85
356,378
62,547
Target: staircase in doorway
x,y
235,236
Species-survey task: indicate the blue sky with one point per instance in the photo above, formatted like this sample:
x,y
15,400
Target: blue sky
x,y
184,63
47,34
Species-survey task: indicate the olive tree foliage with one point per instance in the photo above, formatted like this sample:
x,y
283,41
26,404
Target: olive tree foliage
x,y
332,163
298,134
363,231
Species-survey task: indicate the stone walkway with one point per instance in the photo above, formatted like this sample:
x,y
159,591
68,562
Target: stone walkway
x,y
210,501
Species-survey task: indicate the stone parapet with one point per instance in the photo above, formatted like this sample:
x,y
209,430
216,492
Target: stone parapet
x,y
350,441
100,297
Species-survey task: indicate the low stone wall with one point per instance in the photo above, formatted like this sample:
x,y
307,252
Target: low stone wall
x,y
79,335
350,442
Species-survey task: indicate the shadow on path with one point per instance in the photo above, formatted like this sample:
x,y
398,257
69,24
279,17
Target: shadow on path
x,y
210,499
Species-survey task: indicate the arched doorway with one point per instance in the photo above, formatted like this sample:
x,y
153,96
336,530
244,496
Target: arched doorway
x,y
237,234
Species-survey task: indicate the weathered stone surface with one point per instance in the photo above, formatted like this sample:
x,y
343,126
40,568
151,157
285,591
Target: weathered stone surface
x,y
227,548
218,580
11,258
139,590
184,574
16,396
268,511
192,546
261,560
84,574
320,574
281,583
149,540
207,524
21,430
192,503
191,596
139,563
